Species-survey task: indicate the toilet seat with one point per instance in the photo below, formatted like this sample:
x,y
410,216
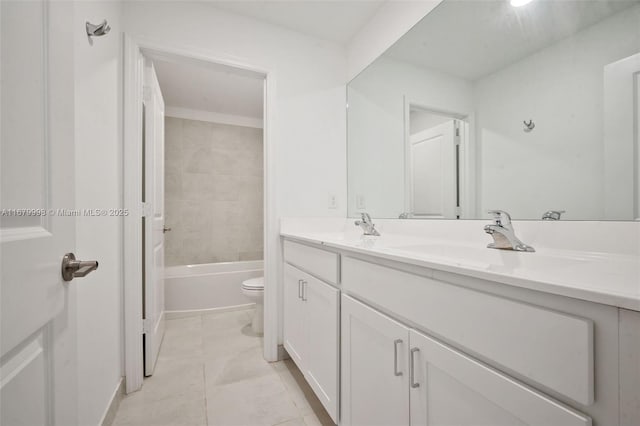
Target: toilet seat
x,y
253,284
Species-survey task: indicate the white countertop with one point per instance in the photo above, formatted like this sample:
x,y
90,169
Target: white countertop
x,y
601,277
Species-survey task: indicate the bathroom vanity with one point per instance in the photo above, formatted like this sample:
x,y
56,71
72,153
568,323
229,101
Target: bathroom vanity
x,y
409,328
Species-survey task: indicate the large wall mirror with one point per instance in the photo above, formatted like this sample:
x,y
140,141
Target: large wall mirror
x,y
530,108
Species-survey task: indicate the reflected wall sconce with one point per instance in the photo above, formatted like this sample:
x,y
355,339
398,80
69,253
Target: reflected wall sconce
x,y
529,126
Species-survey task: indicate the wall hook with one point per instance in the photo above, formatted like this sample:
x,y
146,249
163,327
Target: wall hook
x,y
98,30
529,126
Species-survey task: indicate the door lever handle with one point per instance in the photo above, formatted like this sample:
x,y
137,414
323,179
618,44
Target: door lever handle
x,y
72,268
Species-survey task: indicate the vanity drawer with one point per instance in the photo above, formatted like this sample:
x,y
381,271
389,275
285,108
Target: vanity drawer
x,y
320,263
550,348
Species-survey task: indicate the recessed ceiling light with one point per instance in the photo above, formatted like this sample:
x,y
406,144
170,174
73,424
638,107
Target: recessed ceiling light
x,y
518,3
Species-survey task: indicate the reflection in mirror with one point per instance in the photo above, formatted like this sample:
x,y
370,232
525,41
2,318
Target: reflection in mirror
x,y
484,106
432,166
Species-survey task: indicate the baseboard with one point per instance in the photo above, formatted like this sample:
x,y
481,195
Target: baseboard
x,y
169,315
110,413
282,353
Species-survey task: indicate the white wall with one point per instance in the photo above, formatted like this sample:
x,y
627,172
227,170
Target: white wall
x,y
98,185
212,117
392,20
310,74
376,148
423,120
559,165
310,78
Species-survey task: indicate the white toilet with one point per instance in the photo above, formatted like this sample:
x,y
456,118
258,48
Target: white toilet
x,y
254,290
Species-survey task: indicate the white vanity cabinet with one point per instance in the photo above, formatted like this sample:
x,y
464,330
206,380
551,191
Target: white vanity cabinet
x,y
374,360
294,314
451,388
311,322
401,344
393,375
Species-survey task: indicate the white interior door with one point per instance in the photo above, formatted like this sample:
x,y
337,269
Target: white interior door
x,y
153,197
433,191
38,382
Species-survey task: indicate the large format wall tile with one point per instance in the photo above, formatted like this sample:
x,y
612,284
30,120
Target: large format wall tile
x,y
213,192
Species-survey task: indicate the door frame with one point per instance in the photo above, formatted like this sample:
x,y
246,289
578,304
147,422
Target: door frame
x,y
133,50
468,162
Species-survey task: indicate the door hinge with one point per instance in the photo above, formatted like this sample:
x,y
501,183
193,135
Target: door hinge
x,y
458,211
457,132
146,326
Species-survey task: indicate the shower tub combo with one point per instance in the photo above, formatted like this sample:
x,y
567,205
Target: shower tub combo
x,y
209,286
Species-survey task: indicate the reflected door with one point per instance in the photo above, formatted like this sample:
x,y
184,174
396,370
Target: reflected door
x,y
433,172
622,139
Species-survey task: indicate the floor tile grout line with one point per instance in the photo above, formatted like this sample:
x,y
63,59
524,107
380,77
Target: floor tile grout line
x,y
206,402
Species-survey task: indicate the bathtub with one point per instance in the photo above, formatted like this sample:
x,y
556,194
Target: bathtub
x,y
208,286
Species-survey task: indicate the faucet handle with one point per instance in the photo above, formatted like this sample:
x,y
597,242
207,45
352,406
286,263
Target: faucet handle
x,y
553,214
365,217
501,217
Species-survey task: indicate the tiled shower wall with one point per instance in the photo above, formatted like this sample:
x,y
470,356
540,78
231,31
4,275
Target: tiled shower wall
x,y
213,192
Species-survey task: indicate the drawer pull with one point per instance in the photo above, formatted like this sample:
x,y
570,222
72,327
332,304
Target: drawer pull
x,y
412,368
299,289
395,357
304,291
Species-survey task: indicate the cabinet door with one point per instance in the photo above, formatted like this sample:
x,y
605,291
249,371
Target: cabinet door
x,y
450,388
375,380
293,315
321,305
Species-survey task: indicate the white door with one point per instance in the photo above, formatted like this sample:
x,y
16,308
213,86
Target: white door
x,y
153,197
293,326
38,383
321,307
374,375
450,388
433,191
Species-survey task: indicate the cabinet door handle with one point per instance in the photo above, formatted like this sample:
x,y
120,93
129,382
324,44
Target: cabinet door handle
x,y
412,368
299,289
304,291
395,357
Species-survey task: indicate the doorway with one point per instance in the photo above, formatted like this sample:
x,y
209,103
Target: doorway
x,y
434,144
202,207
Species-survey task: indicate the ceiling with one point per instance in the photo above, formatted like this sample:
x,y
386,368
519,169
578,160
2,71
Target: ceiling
x,y
335,20
207,87
471,39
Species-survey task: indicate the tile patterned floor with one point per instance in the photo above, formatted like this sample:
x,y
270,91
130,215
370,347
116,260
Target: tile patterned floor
x,y
211,372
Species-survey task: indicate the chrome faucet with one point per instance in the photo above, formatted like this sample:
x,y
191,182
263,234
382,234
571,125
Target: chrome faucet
x,y
367,225
553,214
504,237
